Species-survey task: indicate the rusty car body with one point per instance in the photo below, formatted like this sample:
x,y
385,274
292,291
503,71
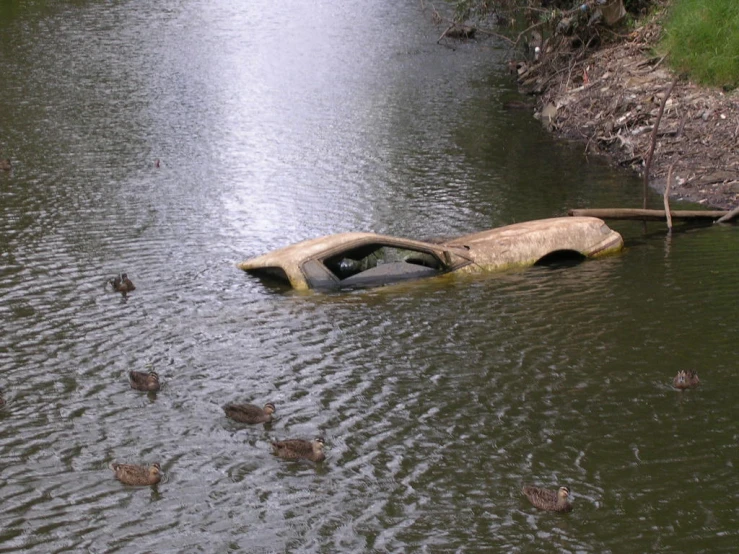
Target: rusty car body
x,y
358,260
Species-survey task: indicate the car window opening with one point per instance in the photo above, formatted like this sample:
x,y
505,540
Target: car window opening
x,y
560,258
370,256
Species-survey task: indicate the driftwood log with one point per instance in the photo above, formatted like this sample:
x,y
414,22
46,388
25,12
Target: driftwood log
x,y
649,215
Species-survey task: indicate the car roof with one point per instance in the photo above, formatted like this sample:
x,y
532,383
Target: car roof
x,y
290,258
306,249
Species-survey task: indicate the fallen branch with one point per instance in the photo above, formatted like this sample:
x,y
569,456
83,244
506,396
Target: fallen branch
x,y
647,215
729,216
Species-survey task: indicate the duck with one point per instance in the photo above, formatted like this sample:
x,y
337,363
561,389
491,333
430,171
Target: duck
x,y
130,474
250,413
545,499
517,105
686,379
121,283
461,32
517,67
294,449
5,165
144,381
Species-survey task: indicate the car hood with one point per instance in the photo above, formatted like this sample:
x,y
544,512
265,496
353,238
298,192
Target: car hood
x,y
523,243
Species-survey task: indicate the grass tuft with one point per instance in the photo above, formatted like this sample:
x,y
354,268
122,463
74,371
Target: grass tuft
x,y
702,39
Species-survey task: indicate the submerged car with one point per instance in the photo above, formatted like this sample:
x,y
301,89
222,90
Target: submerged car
x,y
358,260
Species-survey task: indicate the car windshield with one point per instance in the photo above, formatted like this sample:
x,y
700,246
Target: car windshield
x,y
378,264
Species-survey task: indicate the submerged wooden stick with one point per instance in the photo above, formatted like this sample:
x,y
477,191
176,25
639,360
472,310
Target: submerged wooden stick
x,y
647,215
665,197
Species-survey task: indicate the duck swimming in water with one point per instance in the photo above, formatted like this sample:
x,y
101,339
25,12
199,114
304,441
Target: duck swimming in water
x,y
144,381
139,476
545,499
686,379
121,283
294,449
250,413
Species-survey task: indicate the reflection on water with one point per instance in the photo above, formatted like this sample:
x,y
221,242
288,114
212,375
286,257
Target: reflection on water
x,y
437,399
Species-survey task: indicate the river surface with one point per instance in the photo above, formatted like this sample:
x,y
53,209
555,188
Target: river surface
x,y
277,122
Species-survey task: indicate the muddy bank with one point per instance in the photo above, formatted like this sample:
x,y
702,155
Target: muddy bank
x,y
609,98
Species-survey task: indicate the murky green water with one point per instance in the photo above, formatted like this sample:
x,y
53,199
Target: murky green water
x,y
437,400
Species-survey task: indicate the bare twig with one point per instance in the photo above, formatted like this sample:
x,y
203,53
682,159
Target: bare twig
x,y
665,197
526,30
659,62
615,33
729,216
453,24
445,32
541,23
653,142
494,34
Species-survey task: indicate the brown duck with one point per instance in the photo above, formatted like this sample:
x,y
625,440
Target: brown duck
x,y
686,379
130,474
147,382
249,413
294,449
518,105
5,165
121,283
545,499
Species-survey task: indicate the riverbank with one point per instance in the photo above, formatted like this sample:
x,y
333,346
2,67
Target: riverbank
x,y
609,99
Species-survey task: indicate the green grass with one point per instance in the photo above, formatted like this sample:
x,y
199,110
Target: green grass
x,y
702,39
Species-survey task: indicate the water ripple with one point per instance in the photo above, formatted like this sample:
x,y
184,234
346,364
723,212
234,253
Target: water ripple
x,y
437,399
